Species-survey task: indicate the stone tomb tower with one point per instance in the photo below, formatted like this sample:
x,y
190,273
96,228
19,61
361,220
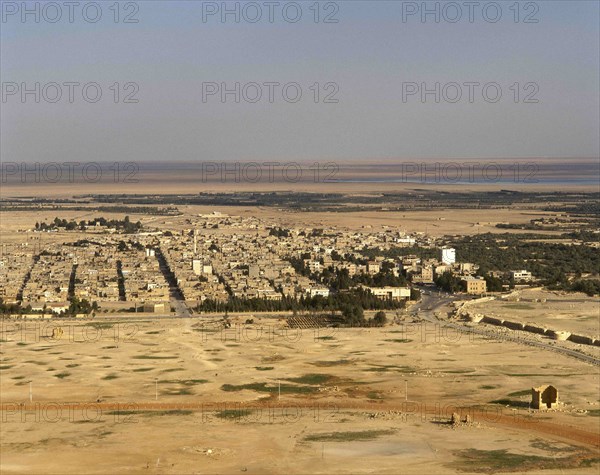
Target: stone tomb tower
x,y
544,397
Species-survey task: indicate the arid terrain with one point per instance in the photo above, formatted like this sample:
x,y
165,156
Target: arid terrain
x,y
142,394
196,398
301,237
557,310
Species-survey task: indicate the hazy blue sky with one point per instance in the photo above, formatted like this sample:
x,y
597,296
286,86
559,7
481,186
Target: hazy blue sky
x,y
369,54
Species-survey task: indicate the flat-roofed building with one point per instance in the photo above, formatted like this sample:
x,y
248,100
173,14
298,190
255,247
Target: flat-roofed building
x,y
373,267
521,275
475,285
318,291
391,293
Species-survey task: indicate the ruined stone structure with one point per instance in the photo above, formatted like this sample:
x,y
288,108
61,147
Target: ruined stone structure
x,y
544,397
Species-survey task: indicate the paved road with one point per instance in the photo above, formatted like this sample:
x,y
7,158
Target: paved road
x,y
176,299
181,309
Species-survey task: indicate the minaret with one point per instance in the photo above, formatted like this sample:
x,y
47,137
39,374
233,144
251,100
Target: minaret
x,y
195,242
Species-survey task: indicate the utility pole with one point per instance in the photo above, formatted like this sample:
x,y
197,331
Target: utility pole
x,y
30,392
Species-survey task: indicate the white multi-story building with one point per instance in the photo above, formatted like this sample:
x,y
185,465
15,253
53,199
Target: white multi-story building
x,y
521,275
448,255
318,291
392,293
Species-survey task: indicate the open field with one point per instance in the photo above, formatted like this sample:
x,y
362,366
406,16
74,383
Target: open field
x,y
344,390
435,222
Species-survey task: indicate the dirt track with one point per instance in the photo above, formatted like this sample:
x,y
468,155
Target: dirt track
x,y
519,421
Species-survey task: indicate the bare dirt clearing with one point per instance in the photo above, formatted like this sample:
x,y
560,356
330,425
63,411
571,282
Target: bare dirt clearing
x,y
269,401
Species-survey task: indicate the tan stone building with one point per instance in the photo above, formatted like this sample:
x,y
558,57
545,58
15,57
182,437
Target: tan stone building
x,y
373,267
475,285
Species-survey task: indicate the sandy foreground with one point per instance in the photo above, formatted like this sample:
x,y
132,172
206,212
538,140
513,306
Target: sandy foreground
x,y
336,386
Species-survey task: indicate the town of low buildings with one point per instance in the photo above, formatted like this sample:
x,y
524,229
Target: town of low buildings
x,y
213,257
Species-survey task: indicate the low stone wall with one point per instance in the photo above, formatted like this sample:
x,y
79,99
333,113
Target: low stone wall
x,y
493,321
558,335
534,329
514,325
584,340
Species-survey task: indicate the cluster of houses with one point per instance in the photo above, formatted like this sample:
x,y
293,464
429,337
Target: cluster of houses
x,y
95,278
49,281
245,263
216,257
97,272
15,264
143,280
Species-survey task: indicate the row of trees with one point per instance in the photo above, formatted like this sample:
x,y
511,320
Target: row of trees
x,y
279,232
588,286
10,308
335,302
451,283
82,306
448,282
354,316
552,263
125,225
340,279
76,306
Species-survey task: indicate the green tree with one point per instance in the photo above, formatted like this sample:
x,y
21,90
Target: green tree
x,y
379,320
